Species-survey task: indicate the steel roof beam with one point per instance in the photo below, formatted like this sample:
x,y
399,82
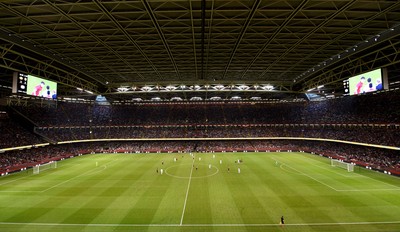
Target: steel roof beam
x,y
94,36
326,21
277,31
193,39
125,32
241,34
25,17
161,35
342,35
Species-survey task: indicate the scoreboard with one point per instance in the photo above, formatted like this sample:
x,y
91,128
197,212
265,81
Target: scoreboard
x,y
34,86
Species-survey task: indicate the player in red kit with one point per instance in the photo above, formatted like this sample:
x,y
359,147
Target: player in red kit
x,y
359,85
38,89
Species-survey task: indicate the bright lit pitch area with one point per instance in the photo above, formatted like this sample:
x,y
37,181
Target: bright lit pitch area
x,y
125,192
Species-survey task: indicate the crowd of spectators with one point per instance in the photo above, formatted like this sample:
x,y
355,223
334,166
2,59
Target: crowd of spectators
x,y
371,135
374,157
33,156
13,134
354,118
370,119
382,108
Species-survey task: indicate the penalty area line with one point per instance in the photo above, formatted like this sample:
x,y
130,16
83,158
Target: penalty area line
x,y
305,174
194,225
87,173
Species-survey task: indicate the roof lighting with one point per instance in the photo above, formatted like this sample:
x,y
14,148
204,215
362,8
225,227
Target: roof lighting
x,y
196,99
146,88
267,87
215,98
170,88
243,87
156,99
219,87
176,99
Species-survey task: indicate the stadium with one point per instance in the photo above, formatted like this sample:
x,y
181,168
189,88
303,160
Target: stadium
x,y
203,115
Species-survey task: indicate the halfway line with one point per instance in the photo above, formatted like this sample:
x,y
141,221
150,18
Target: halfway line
x,y
187,192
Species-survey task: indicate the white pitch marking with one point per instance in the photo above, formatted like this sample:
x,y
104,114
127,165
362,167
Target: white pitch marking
x,y
61,183
306,175
359,175
338,190
365,190
83,174
196,225
292,172
3,183
328,169
20,191
196,177
187,193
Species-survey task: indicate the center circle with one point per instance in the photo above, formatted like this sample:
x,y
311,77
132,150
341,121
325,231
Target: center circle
x,y
204,170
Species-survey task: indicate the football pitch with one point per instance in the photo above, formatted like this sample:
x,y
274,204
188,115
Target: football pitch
x,y
127,192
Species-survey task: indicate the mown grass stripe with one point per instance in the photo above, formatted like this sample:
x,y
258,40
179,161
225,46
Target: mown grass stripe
x,y
197,225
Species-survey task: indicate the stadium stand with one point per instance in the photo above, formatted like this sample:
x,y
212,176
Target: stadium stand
x,y
382,108
381,136
371,119
13,134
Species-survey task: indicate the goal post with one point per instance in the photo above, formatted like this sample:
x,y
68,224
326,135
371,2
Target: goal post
x,y
43,167
338,163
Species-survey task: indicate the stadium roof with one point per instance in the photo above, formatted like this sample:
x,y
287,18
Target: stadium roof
x,y
111,47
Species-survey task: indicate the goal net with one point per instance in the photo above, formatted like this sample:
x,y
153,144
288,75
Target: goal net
x,y
338,163
43,167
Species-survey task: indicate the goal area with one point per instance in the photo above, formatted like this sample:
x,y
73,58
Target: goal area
x,y
43,167
338,163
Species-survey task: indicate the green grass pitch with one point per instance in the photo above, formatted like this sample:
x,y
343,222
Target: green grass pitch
x,y
124,192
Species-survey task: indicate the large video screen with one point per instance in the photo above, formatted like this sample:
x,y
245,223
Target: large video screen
x,y
41,88
367,82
